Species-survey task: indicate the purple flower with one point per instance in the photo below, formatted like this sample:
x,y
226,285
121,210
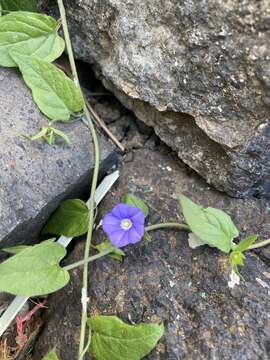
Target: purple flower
x,y
124,225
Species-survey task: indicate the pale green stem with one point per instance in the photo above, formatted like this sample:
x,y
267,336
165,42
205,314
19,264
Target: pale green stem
x,y
88,260
93,187
186,227
90,231
259,244
86,349
68,42
167,225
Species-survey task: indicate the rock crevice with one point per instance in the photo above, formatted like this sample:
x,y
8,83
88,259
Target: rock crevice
x,y
209,60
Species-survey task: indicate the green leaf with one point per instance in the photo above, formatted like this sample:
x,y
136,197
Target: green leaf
x,y
112,339
194,241
51,356
49,133
61,134
71,219
133,200
30,34
147,237
237,258
56,95
16,5
116,253
19,248
15,249
34,271
211,225
246,243
41,134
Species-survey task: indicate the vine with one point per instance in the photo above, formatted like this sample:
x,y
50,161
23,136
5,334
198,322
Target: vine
x,y
36,270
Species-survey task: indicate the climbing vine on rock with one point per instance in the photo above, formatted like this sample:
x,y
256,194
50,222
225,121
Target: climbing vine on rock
x,y
30,42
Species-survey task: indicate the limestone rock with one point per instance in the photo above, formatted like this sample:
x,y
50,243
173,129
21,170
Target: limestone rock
x,y
196,70
36,177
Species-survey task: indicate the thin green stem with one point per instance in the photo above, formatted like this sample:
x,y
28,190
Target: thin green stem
x,y
88,260
259,244
89,234
87,345
68,42
167,225
93,186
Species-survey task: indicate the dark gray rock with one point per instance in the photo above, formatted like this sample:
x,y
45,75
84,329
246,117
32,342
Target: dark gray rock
x,y
165,280
35,177
195,70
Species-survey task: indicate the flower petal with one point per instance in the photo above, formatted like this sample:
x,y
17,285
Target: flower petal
x,y
138,217
134,236
109,229
139,229
110,223
110,219
131,210
119,238
120,211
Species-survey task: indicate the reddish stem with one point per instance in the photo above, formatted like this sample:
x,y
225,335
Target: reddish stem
x,y
21,323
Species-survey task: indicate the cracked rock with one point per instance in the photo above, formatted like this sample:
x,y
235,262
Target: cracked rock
x,y
197,71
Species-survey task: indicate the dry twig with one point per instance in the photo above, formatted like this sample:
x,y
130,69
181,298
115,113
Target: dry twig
x,y
96,117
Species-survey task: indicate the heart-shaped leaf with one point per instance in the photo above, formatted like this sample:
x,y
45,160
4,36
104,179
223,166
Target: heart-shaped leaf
x,y
212,226
30,34
112,339
56,95
71,219
34,271
16,5
133,200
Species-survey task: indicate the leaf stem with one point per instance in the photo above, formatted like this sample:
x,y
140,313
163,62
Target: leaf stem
x,y
259,244
93,186
167,225
88,260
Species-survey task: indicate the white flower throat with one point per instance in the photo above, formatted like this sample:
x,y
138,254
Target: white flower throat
x,y
126,224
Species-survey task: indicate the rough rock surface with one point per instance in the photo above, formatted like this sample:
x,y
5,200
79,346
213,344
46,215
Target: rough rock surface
x,y
35,177
166,280
195,70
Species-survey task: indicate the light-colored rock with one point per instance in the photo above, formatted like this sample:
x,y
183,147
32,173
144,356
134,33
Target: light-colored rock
x,y
35,177
195,70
